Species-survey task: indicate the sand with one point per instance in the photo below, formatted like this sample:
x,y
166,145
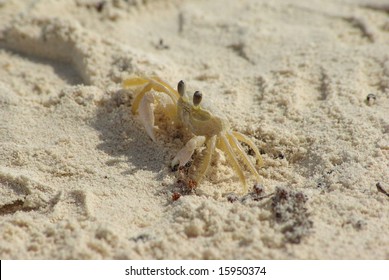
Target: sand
x,y
81,179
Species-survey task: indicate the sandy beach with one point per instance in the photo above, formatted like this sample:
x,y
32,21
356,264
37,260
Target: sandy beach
x,y
306,81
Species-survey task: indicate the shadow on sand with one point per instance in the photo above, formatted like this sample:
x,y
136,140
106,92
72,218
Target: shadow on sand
x,y
124,138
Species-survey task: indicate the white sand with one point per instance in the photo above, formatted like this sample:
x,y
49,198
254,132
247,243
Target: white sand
x,y
80,178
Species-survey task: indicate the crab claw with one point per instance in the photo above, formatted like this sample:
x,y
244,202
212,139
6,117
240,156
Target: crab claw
x,y
185,154
147,106
146,114
150,93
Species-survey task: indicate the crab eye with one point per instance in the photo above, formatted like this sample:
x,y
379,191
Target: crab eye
x,y
197,96
181,88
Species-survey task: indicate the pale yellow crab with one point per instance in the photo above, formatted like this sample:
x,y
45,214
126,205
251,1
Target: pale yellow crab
x,y
208,125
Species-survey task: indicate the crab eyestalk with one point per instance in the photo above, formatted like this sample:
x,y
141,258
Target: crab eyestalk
x,y
197,96
181,88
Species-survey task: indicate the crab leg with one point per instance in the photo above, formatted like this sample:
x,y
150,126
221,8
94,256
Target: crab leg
x,y
235,144
134,82
157,86
244,139
140,95
203,168
185,154
226,148
165,84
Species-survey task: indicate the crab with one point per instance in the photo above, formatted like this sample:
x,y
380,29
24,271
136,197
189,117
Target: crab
x,y
208,126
